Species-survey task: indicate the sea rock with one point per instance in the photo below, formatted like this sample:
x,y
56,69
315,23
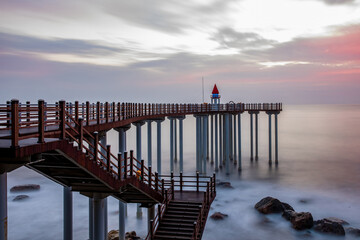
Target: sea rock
x,y
287,206
20,197
269,205
113,235
353,231
26,187
338,220
302,220
218,216
289,214
327,226
131,236
224,184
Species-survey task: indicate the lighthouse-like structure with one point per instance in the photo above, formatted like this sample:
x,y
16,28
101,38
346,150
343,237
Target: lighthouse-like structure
x,y
215,96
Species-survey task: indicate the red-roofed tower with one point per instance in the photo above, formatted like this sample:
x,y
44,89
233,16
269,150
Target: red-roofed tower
x,y
215,96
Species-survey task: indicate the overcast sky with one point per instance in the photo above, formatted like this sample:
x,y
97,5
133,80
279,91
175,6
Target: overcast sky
x,y
290,51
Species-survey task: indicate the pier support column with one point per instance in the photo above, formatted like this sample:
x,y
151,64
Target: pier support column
x,y
221,147
99,227
205,142
181,143
270,145
216,144
256,137
91,218
3,207
138,156
171,144
151,215
68,213
122,205
251,137
103,141
234,137
158,139
207,137
212,139
231,153
175,139
226,143
149,143
239,141
198,132
276,139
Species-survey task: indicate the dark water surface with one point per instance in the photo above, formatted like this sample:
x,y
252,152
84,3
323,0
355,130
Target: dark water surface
x,y
319,149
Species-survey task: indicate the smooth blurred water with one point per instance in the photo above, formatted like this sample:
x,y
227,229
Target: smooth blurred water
x,y
319,162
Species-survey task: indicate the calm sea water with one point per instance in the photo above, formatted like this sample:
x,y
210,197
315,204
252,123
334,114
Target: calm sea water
x,y
319,162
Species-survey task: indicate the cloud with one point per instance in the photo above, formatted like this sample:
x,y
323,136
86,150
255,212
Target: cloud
x,y
338,2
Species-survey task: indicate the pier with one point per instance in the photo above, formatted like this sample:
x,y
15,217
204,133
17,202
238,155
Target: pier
x,y
66,142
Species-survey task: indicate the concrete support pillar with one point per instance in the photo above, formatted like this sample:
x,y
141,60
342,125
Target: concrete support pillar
x,y
181,144
171,145
198,142
251,137
103,142
68,213
149,143
3,207
221,156
158,147
212,139
151,215
227,143
204,143
138,156
256,137
234,135
231,138
239,141
276,139
99,227
216,144
270,145
207,137
175,139
91,218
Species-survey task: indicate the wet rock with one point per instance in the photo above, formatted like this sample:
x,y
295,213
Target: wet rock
x,y
113,235
224,184
327,226
338,220
218,216
302,220
131,236
289,214
26,187
287,206
353,231
269,205
20,197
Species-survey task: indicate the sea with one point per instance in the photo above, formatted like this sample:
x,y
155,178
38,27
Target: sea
x,y
318,172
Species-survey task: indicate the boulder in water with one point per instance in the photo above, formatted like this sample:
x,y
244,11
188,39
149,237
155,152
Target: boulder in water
x,y
131,236
338,220
287,206
353,231
289,214
302,220
269,205
328,226
26,187
218,216
113,235
20,197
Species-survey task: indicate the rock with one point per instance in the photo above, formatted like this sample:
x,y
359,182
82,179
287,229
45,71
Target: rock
x,y
269,205
113,235
131,236
218,216
287,206
289,214
353,231
20,197
26,187
224,184
304,201
327,226
302,220
338,220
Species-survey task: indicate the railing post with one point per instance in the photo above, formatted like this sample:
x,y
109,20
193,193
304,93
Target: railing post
x,y
76,110
119,166
14,123
172,189
81,134
62,119
149,178
87,113
108,156
171,175
113,112
28,113
181,181
151,228
166,197
106,112
98,112
142,171
214,182
163,187
197,181
131,162
125,165
207,193
159,212
96,145
195,233
156,181
41,120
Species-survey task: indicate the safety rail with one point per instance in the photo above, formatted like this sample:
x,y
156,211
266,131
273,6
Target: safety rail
x,y
179,183
22,121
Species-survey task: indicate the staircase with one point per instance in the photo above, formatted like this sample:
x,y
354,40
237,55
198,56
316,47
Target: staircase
x,y
178,220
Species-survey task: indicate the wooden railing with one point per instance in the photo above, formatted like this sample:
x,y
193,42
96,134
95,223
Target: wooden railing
x,y
22,121
183,183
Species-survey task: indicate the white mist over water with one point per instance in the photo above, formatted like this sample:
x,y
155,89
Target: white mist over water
x,y
319,162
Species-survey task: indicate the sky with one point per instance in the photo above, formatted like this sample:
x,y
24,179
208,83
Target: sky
x,y
290,51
